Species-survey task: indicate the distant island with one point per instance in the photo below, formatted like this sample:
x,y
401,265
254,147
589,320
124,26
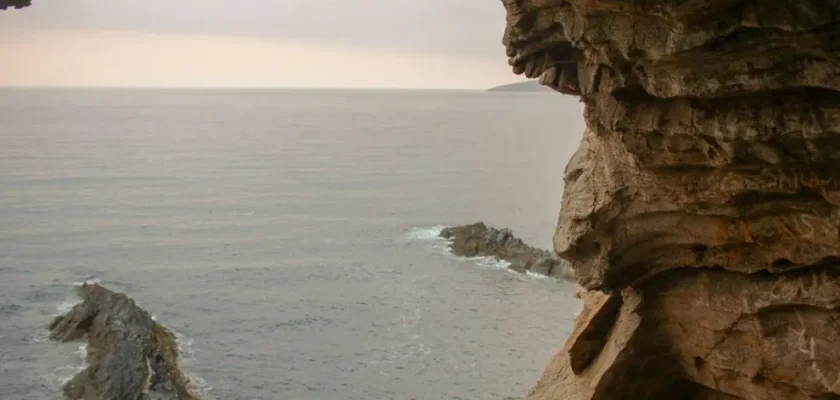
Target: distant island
x,y
527,86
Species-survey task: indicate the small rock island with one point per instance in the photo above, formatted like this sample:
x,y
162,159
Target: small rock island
x,y
130,356
478,239
529,86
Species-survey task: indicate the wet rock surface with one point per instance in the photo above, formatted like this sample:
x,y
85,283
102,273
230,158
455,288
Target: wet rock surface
x,y
480,240
130,356
702,208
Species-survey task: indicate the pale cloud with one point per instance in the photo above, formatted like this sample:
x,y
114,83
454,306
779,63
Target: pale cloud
x,y
347,43
120,58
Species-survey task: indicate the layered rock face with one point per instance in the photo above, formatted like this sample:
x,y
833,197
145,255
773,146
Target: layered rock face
x,y
701,210
130,356
479,239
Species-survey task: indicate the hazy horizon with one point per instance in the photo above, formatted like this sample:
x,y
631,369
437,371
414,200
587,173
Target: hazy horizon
x,y
356,44
255,88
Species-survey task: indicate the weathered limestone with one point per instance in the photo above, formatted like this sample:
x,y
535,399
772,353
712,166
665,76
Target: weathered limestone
x,y
130,356
480,240
703,201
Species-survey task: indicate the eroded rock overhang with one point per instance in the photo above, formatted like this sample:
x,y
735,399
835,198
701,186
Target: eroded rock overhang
x,y
704,194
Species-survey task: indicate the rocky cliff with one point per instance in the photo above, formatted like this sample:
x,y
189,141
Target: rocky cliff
x,y
701,209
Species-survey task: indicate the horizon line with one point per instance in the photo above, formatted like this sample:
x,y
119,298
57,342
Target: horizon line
x,y
152,87
249,87
129,87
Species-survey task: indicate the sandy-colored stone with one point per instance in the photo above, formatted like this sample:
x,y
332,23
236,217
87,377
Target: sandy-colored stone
x,y
706,188
592,328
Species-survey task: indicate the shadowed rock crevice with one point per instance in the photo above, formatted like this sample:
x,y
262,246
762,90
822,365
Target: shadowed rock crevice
x,y
705,193
699,326
479,240
687,390
130,356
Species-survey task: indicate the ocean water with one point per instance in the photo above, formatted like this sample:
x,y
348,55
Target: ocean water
x,y
288,237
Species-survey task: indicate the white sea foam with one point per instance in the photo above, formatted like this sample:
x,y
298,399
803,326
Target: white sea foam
x,y
185,346
82,352
78,362
199,385
186,352
40,336
443,245
534,275
427,233
65,306
579,309
431,235
489,262
88,281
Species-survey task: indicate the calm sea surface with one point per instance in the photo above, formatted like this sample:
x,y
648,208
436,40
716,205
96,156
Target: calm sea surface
x,y
286,236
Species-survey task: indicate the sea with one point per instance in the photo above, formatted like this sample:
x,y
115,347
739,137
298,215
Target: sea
x,y
288,237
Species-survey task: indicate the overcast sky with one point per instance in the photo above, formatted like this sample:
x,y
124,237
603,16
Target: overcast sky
x,y
290,43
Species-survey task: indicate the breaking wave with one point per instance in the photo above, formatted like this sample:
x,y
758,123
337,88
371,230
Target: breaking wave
x,y
431,235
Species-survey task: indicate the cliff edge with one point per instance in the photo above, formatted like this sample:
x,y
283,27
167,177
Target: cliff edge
x,y
701,209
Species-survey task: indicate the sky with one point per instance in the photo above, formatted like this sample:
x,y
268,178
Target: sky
x,y
255,43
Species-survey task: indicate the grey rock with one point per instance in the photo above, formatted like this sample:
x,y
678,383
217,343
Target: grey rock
x,y
480,240
130,356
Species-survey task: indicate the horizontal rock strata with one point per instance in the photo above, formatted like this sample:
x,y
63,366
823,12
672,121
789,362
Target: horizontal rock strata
x,y
701,209
480,240
130,356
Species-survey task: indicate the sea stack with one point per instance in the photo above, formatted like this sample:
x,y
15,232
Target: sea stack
x,y
701,209
130,356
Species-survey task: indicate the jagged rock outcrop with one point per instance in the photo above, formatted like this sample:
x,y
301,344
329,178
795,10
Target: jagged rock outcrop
x,y
701,210
480,240
4,4
130,356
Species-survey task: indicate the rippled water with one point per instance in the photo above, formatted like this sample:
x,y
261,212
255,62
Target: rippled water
x,y
286,236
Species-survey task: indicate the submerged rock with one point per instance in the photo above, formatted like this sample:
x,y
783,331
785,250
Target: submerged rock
x,y
130,356
480,240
